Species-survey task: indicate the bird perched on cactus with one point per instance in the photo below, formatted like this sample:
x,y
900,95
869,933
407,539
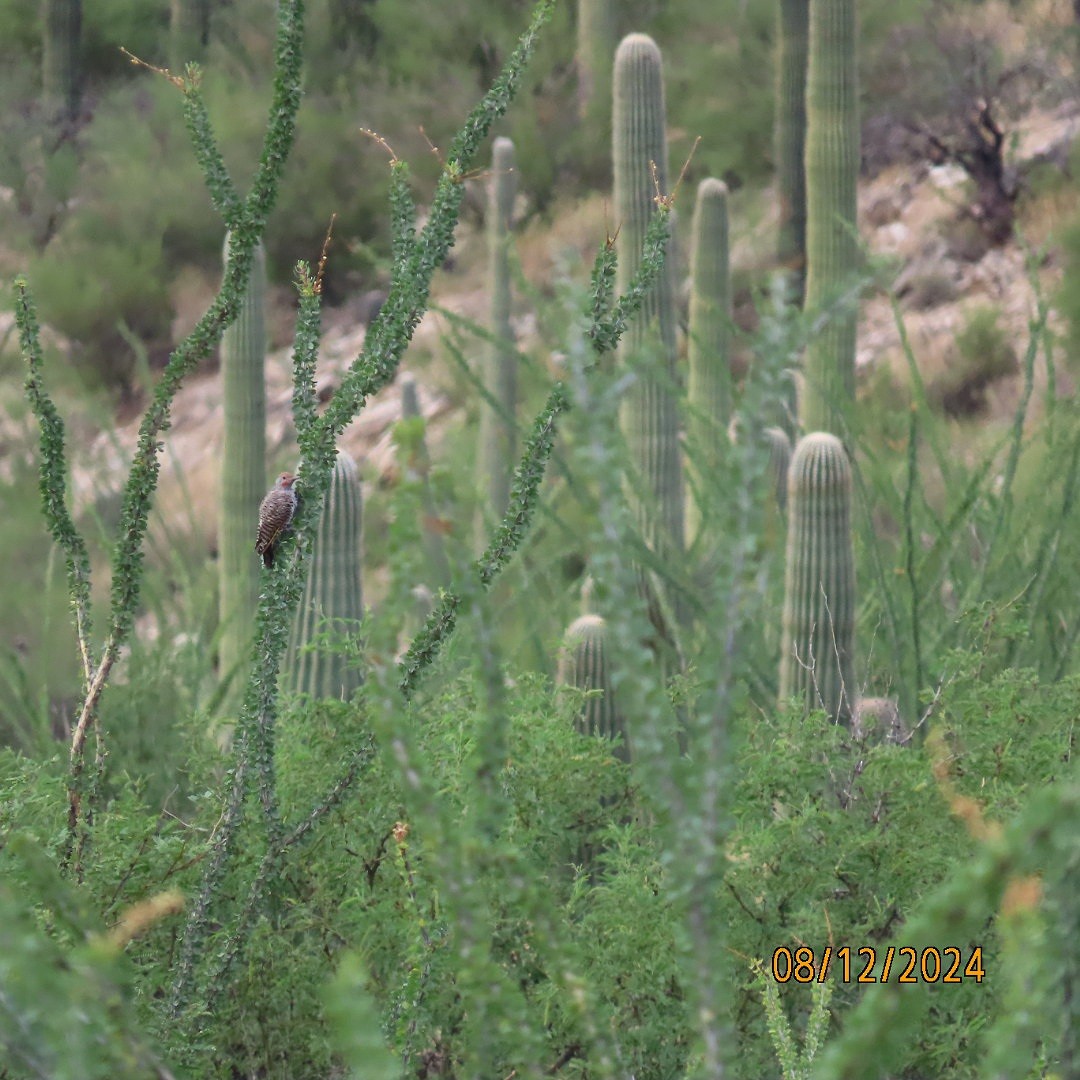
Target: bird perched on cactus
x,y
275,515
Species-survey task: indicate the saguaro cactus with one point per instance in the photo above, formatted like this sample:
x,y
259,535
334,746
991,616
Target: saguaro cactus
x,y
583,663
709,384
779,463
243,484
832,250
790,140
818,647
333,602
648,415
61,74
595,41
189,31
498,441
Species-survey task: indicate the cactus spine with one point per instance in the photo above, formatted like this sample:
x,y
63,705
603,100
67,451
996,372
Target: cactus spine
x,y
648,415
583,664
709,383
332,602
817,651
832,164
61,74
790,140
497,436
243,350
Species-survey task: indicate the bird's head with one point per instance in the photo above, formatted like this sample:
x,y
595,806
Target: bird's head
x,y
286,480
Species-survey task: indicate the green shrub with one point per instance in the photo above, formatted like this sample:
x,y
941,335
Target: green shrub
x,y
980,355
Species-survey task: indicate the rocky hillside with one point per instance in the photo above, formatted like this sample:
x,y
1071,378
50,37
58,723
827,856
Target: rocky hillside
x,y
909,218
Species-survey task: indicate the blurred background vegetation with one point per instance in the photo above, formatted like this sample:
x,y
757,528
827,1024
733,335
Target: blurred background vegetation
x,y
967,455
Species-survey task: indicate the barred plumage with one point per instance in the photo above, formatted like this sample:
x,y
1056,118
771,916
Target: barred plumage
x,y
275,515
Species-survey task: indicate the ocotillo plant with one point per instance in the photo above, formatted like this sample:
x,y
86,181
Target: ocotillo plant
x,y
818,647
243,392
497,419
332,604
832,250
648,416
417,465
583,663
709,383
790,140
60,67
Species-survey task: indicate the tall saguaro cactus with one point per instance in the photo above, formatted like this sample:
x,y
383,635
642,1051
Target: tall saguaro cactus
x,y
243,469
189,30
818,642
648,415
61,70
595,42
497,435
790,139
832,250
333,601
709,384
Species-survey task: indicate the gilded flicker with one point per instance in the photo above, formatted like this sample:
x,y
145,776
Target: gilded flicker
x,y
275,515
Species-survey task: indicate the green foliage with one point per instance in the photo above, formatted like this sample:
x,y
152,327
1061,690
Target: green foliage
x,y
392,884
981,355
860,886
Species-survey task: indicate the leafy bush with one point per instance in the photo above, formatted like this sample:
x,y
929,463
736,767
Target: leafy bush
x,y
981,355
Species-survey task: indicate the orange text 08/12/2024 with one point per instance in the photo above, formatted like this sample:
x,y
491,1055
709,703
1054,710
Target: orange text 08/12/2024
x,y
878,965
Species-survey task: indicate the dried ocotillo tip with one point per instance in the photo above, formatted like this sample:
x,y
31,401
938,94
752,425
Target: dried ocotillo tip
x,y
817,650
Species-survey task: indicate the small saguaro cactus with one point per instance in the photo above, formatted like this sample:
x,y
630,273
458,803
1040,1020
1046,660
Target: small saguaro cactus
x,y
709,383
832,246
498,441
332,604
648,415
595,41
817,647
779,463
583,663
243,464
